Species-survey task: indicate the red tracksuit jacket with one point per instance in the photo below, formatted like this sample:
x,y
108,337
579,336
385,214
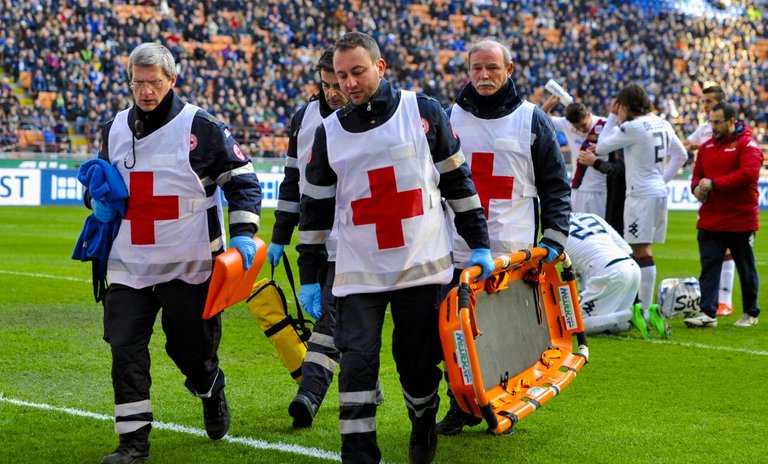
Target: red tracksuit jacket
x,y
733,164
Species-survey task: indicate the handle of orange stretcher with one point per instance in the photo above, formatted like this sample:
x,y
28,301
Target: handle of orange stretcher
x,y
569,275
505,262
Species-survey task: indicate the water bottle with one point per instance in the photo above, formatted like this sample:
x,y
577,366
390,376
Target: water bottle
x,y
554,88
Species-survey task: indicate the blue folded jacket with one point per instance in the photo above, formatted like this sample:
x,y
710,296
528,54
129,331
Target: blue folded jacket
x,y
104,183
95,241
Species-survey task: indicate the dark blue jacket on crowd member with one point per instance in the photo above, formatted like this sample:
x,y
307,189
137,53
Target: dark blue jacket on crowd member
x,y
213,142
548,164
318,214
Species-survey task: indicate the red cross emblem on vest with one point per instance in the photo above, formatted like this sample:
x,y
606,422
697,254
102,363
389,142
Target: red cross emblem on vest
x,y
144,208
489,186
386,208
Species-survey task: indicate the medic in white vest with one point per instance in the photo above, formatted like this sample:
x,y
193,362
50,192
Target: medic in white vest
x,y
381,167
174,159
517,166
322,357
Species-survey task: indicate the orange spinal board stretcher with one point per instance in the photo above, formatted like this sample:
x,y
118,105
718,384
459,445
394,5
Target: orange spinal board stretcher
x,y
230,282
508,339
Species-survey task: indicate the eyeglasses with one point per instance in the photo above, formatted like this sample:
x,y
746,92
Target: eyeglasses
x,y
717,123
156,84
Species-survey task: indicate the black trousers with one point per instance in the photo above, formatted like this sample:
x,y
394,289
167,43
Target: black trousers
x,y
417,353
322,356
712,246
191,342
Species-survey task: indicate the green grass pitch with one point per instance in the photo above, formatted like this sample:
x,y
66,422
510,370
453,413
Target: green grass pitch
x,y
698,398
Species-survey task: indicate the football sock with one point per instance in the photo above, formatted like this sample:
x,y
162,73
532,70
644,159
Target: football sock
x,y
726,281
647,281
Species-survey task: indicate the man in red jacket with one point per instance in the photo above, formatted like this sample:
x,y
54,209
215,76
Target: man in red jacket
x,y
725,182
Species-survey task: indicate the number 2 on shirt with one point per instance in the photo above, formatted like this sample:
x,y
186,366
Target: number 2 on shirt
x,y
661,146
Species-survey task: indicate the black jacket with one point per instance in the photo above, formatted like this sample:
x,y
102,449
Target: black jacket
x,y
615,186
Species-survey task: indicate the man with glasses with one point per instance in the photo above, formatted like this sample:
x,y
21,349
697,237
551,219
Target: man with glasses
x,y
725,180
173,157
710,96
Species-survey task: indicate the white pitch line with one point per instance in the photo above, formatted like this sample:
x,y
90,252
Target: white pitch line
x,y
692,345
45,276
250,442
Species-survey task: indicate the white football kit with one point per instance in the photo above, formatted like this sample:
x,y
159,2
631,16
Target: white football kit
x,y
701,134
610,277
648,141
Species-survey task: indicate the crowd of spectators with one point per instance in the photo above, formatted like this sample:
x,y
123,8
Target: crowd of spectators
x,y
78,50
9,116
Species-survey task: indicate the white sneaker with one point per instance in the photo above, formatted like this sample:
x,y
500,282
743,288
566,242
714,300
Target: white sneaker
x,y
701,320
746,321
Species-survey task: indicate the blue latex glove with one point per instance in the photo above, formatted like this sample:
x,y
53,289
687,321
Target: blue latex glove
x,y
102,210
552,254
310,296
482,257
247,248
274,253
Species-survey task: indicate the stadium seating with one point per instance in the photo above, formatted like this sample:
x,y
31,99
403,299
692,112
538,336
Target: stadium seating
x,y
145,12
565,35
278,146
421,11
31,139
25,79
46,99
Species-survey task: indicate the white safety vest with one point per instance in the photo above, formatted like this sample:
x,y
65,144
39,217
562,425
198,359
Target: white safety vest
x,y
507,142
164,235
391,228
309,124
306,138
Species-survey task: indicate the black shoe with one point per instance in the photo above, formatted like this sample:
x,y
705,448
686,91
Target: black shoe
x,y
454,422
422,451
216,415
303,411
134,447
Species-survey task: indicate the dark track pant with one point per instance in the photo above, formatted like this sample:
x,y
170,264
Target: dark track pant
x,y
712,246
417,353
322,356
192,343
